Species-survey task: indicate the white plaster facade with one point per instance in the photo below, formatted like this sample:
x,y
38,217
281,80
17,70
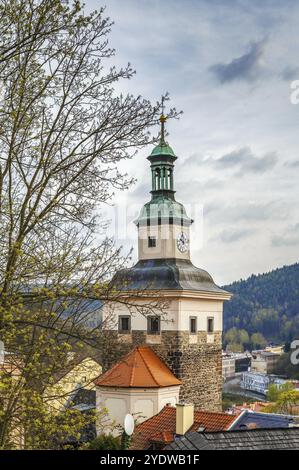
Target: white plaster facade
x,y
177,317
228,366
140,402
166,241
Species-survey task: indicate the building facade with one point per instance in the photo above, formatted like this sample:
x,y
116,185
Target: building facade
x,y
259,382
264,361
187,334
233,363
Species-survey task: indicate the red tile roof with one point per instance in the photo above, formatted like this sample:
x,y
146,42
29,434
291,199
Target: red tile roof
x,y
161,427
256,406
140,368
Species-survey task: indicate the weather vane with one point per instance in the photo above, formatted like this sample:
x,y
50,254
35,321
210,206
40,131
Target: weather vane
x,y
163,120
163,106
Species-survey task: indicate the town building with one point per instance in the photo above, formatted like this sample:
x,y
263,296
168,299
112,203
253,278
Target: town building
x,y
258,382
173,422
248,419
162,429
264,361
188,336
243,362
234,363
228,366
277,349
258,406
76,380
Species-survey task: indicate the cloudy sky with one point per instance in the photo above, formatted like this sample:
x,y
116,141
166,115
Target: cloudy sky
x,y
229,66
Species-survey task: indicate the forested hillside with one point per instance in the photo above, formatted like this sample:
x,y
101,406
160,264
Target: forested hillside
x,y
267,304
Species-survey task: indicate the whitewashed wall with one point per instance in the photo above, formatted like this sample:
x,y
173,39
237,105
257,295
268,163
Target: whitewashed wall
x,y
143,403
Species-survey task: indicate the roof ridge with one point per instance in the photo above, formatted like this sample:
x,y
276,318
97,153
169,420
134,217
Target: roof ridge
x,y
254,430
146,365
213,412
109,371
162,362
133,368
146,369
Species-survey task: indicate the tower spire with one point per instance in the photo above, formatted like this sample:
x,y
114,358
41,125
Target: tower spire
x,y
162,164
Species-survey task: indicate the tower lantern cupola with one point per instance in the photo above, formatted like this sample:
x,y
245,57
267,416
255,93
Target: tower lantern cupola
x,y
162,161
163,224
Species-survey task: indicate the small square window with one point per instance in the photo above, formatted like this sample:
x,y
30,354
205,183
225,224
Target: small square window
x,y
210,326
193,325
153,325
124,324
151,242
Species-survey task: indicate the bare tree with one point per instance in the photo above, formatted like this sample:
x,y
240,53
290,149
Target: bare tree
x,y
63,131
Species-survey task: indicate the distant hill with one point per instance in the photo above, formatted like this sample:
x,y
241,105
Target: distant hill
x,y
267,304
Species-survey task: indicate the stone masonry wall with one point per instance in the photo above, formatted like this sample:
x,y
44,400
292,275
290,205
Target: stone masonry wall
x,y
199,365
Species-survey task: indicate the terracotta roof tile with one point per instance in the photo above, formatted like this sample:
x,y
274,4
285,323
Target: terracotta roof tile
x,y
140,368
165,436
161,427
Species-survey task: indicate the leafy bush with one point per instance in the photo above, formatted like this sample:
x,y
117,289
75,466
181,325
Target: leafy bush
x,y
104,442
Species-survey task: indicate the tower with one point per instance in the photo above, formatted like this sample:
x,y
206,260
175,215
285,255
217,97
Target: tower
x,y
188,338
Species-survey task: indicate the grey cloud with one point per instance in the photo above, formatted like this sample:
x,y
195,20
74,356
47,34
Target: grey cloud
x,y
140,191
289,238
232,235
245,67
284,241
290,73
292,163
198,185
252,212
245,161
214,119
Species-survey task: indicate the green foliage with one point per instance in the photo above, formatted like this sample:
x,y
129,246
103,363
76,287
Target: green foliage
x,y
235,347
125,441
236,340
104,442
65,126
285,367
258,341
267,304
285,399
230,399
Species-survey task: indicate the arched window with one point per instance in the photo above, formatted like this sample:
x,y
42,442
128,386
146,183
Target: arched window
x,y
157,179
169,177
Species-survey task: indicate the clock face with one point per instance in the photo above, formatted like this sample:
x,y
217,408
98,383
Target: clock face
x,y
182,242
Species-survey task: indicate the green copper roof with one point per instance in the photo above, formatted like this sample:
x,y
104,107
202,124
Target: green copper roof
x,y
162,149
164,208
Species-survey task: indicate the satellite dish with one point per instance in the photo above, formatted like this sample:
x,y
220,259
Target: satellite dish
x,y
129,424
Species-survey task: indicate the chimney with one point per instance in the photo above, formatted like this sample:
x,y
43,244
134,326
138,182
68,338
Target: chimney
x,y
184,417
